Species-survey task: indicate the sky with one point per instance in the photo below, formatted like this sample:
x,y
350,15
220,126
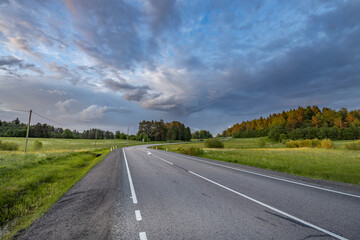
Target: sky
x,y
209,64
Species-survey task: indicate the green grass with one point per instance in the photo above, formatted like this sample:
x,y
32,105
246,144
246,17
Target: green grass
x,y
31,183
66,145
336,164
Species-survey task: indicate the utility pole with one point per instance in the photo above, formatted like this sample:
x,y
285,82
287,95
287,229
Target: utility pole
x,y
127,144
95,136
27,131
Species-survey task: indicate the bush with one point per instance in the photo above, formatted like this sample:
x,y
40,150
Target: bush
x,y
37,145
285,140
8,146
353,146
292,144
303,143
282,137
326,143
194,151
316,143
213,143
261,142
307,143
180,150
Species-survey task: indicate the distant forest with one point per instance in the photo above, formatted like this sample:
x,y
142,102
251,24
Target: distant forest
x,y
148,131
301,123
160,131
17,129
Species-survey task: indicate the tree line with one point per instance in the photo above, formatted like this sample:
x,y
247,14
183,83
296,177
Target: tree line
x,y
307,123
17,129
160,131
202,134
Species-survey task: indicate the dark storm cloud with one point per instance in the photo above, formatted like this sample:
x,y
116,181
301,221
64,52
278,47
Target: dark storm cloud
x,y
12,65
109,31
163,15
146,96
191,63
131,92
122,86
320,72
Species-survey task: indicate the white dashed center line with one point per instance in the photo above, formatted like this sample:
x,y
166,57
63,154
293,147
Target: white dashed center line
x,y
143,236
138,215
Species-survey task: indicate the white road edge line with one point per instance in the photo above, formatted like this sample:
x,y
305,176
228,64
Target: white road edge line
x,y
272,208
143,236
133,194
267,176
163,159
138,215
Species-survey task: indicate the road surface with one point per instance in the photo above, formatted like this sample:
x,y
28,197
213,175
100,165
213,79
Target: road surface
x,y
140,193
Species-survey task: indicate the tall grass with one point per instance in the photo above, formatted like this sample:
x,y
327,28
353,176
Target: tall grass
x,y
8,146
31,183
336,164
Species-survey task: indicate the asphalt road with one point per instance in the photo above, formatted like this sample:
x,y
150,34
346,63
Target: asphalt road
x,y
139,193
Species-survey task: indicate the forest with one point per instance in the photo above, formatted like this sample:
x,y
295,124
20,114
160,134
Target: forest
x,y
148,131
301,123
160,131
17,129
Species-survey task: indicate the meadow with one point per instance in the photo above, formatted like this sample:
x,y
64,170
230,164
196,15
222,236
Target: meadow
x,y
31,183
338,164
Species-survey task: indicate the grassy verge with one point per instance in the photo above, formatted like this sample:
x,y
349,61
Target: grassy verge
x,y
31,184
51,145
336,164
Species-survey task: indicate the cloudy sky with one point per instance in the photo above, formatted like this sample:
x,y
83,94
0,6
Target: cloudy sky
x,y
208,64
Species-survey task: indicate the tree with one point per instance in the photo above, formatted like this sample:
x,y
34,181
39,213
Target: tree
x,y
274,133
117,134
68,134
296,134
38,130
187,134
16,121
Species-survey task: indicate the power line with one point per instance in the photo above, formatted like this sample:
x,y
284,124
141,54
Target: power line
x,y
20,110
48,119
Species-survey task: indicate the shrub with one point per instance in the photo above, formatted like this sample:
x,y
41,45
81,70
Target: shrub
x,y
8,146
180,150
213,143
261,142
316,143
292,144
307,143
326,143
282,137
37,145
194,151
353,146
285,140
302,143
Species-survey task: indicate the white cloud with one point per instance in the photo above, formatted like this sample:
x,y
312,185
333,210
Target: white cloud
x,y
65,105
95,112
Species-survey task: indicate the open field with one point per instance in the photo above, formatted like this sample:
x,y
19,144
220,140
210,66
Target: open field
x,y
66,145
336,164
31,183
